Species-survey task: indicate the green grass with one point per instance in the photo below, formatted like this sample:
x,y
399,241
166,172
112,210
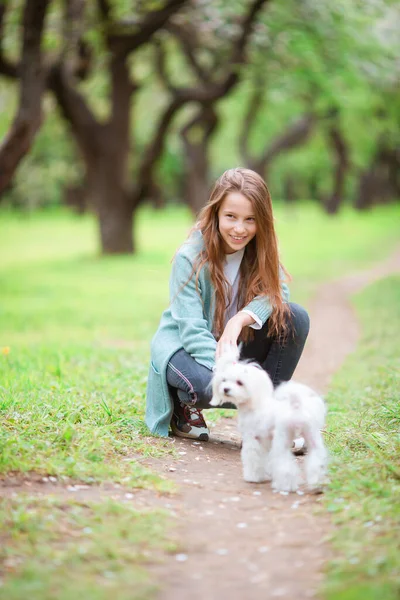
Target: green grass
x,y
74,349
63,549
75,411
364,437
78,327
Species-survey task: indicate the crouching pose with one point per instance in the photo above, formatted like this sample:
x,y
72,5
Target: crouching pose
x,y
227,285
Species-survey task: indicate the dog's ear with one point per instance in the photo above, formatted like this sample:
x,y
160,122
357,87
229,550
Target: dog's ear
x,y
213,387
229,356
215,400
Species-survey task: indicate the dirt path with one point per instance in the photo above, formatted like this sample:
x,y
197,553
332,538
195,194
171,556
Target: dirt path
x,y
237,538
241,539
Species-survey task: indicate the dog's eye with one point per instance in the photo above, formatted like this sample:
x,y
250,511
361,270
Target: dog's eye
x,y
239,382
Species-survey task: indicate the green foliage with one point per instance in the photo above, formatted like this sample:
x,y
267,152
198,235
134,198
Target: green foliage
x,y
51,165
306,55
317,57
364,439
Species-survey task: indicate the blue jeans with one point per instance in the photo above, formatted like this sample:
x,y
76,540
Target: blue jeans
x,y
190,382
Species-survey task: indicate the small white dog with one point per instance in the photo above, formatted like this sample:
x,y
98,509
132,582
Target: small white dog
x,y
268,422
299,411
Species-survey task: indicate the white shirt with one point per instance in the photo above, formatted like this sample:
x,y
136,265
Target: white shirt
x,y
231,272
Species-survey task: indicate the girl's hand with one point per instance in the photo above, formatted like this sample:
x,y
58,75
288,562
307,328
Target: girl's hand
x,y
232,331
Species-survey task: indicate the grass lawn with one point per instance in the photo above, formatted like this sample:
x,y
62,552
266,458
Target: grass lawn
x,y
64,549
74,347
364,438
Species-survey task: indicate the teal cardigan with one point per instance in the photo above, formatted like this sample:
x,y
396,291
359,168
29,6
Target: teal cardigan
x,y
187,323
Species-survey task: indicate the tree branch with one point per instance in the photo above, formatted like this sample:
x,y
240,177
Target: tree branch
x,y
239,50
7,68
32,74
152,22
154,151
212,90
294,135
206,118
74,62
122,88
340,151
162,70
72,33
253,108
205,94
188,41
74,109
104,8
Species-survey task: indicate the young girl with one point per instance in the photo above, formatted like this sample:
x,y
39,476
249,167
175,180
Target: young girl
x,y
226,286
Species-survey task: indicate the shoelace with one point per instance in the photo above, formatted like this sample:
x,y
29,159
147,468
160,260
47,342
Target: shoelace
x,y
198,420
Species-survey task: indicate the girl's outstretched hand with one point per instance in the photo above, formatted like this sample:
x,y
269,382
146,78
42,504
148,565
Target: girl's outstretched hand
x,y
232,331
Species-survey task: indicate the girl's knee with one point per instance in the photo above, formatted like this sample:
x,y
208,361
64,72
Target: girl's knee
x,y
196,390
201,380
299,321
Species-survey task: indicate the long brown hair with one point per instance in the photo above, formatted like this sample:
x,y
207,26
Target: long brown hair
x,y
260,266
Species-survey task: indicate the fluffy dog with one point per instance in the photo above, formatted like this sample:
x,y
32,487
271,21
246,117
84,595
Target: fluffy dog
x,y
248,387
268,422
299,411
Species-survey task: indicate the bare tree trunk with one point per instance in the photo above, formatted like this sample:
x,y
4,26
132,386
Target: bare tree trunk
x,y
116,226
339,146
295,135
196,136
367,188
75,196
104,149
313,189
380,182
290,189
28,119
197,178
111,201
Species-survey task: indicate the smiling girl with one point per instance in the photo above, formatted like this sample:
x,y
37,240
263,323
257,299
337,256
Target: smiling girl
x,y
227,285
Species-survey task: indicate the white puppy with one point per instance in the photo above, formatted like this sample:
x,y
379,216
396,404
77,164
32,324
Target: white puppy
x,y
269,421
299,411
248,387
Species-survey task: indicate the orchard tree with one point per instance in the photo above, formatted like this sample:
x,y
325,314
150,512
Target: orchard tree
x,y
32,74
333,66
104,144
110,37
214,42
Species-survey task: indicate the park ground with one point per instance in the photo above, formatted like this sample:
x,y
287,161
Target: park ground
x,y
91,504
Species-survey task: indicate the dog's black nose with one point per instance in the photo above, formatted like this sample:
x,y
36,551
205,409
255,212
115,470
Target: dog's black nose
x,y
226,390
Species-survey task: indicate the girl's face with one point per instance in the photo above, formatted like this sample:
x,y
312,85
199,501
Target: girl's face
x,y
236,222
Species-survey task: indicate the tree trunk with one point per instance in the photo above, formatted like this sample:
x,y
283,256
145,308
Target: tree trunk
x,y
294,135
111,200
290,189
75,196
28,119
116,228
104,148
338,144
197,177
196,136
380,182
367,189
